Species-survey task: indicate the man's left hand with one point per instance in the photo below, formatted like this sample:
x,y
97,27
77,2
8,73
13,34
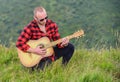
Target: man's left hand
x,y
65,42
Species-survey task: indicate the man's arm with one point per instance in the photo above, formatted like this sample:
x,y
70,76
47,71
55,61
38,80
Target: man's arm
x,y
22,39
22,43
56,36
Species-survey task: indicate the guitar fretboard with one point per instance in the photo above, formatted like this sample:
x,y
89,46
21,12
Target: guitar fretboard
x,y
76,34
58,41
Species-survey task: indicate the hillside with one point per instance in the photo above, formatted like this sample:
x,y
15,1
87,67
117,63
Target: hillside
x,y
85,66
98,18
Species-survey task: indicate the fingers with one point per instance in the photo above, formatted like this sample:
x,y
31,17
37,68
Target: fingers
x,y
40,51
43,51
65,42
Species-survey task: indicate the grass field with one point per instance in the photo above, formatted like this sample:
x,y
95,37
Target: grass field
x,y
85,66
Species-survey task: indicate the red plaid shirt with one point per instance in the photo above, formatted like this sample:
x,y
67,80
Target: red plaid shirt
x,y
33,32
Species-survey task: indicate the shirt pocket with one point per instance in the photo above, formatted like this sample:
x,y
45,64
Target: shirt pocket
x,y
36,36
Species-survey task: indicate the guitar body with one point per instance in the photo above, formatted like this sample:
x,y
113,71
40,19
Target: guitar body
x,y
31,59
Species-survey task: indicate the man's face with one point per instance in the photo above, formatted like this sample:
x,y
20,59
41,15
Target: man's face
x,y
41,18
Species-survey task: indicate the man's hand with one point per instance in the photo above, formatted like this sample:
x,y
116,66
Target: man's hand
x,y
38,50
65,42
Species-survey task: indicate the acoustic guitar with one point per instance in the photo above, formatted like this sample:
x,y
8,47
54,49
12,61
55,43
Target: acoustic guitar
x,y
31,59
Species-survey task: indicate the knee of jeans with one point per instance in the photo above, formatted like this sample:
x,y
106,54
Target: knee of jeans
x,y
71,46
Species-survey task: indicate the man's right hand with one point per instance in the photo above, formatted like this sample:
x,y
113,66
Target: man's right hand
x,y
38,50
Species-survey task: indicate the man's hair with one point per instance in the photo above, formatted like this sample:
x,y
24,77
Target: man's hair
x,y
38,9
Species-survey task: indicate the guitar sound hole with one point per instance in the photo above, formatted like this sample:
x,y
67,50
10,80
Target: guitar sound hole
x,y
41,45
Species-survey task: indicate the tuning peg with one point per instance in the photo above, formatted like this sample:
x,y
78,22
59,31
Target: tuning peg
x,y
83,35
77,37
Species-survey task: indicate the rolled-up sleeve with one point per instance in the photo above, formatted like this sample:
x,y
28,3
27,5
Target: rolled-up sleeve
x,y
23,39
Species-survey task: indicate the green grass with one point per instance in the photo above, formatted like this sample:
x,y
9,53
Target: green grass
x,y
85,66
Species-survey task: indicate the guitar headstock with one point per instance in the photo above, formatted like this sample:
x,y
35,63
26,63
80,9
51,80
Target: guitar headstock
x,y
79,33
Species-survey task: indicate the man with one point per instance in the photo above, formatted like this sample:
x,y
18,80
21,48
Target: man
x,y
40,27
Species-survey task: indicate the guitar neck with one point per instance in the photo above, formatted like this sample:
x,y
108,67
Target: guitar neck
x,y
58,41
